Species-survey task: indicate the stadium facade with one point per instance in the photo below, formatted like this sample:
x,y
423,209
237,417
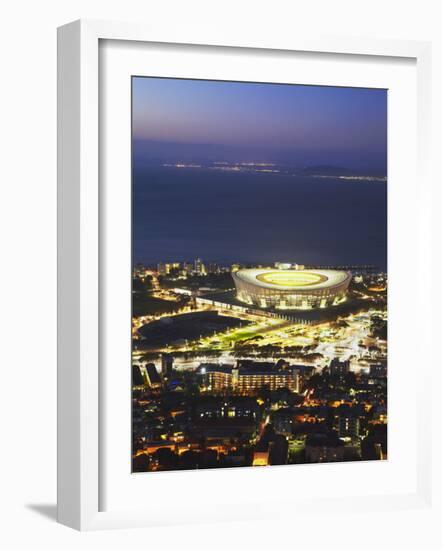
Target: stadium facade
x,y
291,289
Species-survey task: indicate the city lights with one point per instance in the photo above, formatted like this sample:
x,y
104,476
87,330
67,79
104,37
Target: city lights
x,y
261,387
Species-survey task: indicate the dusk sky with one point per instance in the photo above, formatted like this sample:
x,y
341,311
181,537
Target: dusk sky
x,y
251,217
287,123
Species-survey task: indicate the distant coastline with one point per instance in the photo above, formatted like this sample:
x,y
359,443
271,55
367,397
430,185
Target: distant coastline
x,y
263,167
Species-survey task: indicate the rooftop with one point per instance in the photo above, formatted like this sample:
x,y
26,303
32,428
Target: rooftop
x,y
291,279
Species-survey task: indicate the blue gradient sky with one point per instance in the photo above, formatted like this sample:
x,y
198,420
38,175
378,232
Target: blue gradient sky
x,y
302,125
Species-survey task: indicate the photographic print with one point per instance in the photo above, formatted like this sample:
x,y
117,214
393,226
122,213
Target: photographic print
x,y
259,274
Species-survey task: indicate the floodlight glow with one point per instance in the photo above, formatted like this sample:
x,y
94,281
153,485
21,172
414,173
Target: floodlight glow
x,y
291,278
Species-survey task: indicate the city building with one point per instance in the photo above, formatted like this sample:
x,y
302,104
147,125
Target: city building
x,y
339,368
271,449
199,267
378,370
215,408
217,378
152,376
166,269
290,288
348,426
137,377
323,447
261,457
187,268
282,265
166,365
282,421
213,268
248,379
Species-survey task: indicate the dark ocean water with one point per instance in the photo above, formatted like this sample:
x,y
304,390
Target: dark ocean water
x,y
181,214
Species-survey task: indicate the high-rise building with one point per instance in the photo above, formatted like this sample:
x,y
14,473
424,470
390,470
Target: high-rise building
x,y
187,268
200,268
166,365
152,376
137,376
172,267
213,268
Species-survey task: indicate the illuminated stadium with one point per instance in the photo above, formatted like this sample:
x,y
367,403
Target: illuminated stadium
x,y
291,289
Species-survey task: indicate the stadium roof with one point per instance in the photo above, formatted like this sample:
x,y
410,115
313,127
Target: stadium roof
x,y
290,279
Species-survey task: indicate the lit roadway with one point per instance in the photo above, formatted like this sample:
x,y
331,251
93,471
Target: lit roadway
x,y
350,339
158,291
343,340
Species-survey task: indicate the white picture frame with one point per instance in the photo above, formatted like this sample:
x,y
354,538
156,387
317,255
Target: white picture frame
x,y
79,265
